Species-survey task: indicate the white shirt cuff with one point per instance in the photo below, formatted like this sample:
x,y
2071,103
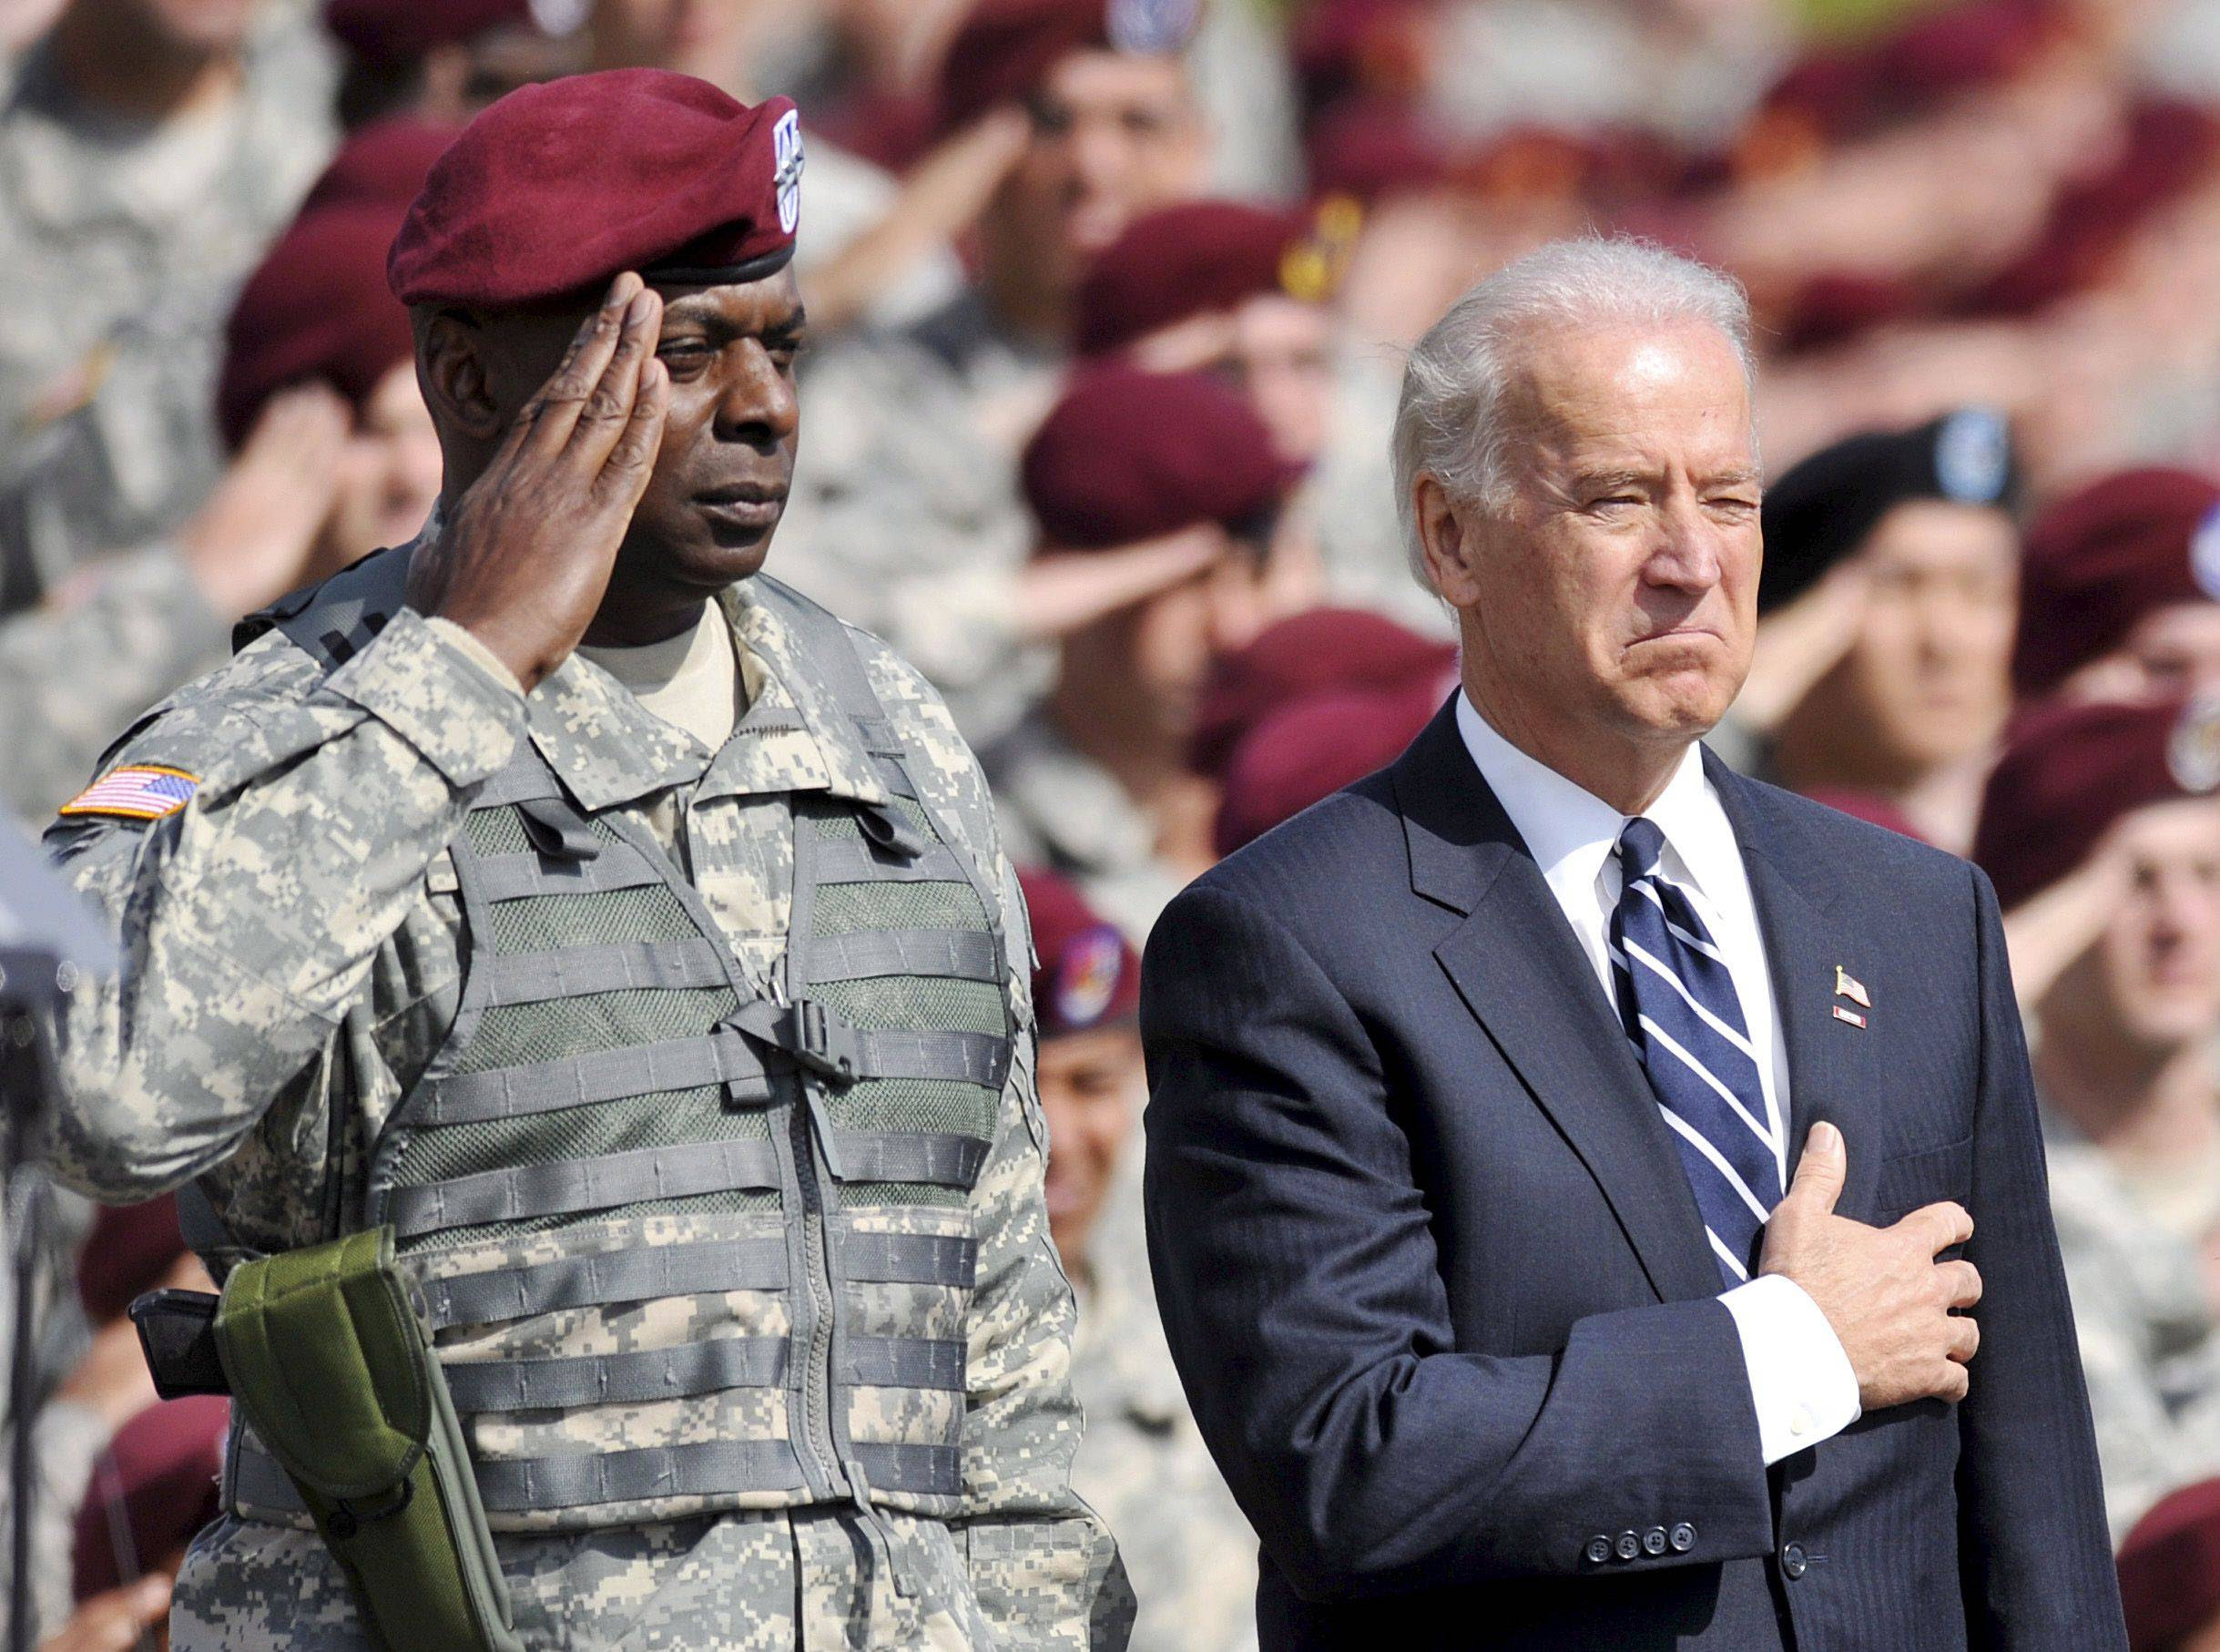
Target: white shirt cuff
x,y
1800,1379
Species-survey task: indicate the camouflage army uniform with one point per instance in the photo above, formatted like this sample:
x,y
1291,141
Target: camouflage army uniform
x,y
70,676
1060,808
124,244
1191,1555
301,942
2150,1349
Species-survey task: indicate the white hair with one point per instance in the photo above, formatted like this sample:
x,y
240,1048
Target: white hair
x,y
1449,419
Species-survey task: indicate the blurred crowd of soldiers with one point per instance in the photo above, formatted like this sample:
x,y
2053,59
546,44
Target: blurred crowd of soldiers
x,y
1108,300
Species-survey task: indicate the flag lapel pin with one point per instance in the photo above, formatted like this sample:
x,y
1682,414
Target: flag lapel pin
x,y
1848,986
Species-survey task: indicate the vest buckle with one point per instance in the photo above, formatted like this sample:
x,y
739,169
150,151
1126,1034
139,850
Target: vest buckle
x,y
819,1040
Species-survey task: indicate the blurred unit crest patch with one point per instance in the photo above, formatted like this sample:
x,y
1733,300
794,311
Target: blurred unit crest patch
x,y
137,791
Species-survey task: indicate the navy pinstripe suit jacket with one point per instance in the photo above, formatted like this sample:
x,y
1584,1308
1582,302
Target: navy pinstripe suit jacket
x,y
1438,1291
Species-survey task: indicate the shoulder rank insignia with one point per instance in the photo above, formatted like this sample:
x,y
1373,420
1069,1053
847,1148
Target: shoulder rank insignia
x,y
137,791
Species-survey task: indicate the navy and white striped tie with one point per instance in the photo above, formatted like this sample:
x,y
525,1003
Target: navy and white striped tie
x,y
1679,1005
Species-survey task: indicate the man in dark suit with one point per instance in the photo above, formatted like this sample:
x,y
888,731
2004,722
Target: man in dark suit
x,y
1503,1297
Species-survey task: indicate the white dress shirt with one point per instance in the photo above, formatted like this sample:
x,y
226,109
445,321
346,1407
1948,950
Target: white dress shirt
x,y
1800,1379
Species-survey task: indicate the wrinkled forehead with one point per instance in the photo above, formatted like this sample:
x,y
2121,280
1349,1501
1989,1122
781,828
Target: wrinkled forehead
x,y
1630,393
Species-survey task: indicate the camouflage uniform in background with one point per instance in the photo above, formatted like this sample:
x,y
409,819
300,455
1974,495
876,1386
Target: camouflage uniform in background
x,y
73,674
1189,1550
300,942
905,514
124,243
2149,1348
1060,808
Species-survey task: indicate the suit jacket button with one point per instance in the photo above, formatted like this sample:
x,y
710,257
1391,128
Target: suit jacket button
x,y
1629,1545
1683,1538
1599,1548
1654,1541
1793,1561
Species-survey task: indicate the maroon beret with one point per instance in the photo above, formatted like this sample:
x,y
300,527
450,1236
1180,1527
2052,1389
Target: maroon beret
x,y
130,1249
1364,48
1374,148
401,31
557,188
317,308
1087,975
385,163
1838,93
1309,749
1311,653
2101,559
1185,260
2170,1568
1004,49
2071,770
1127,456
2170,149
153,1488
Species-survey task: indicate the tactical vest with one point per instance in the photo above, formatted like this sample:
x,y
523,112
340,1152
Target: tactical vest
x,y
689,1240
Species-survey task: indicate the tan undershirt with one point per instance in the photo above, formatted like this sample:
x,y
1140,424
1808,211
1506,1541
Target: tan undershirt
x,y
692,681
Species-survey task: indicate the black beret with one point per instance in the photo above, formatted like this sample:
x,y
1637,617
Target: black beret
x,y
1823,509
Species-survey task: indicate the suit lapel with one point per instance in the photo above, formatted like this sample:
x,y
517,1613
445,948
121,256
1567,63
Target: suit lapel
x,y
1831,1062
1519,968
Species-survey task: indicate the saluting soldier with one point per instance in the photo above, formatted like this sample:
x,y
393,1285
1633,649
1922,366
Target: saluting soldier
x,y
631,938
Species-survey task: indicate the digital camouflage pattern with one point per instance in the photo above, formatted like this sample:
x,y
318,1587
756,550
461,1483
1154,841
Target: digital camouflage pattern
x,y
83,665
1059,808
293,945
906,516
1189,1550
2149,1348
124,244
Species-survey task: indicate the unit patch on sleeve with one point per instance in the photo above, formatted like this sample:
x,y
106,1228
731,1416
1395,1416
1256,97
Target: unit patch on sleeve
x,y
137,791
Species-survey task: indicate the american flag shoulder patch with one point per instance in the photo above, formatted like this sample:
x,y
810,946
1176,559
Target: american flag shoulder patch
x,y
137,791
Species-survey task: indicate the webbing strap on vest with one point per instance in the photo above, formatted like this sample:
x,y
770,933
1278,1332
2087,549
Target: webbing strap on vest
x,y
571,1186
612,1276
509,877
581,971
604,1379
572,1081
709,1469
828,1045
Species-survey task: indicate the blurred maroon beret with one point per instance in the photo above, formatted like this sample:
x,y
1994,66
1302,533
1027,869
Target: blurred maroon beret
x,y
2101,559
154,1487
1127,456
1088,974
130,1249
1372,148
2170,149
2070,770
385,163
1004,49
1868,806
1322,650
559,187
1184,261
1836,305
2170,1568
1839,93
317,308
1310,749
401,31
1365,49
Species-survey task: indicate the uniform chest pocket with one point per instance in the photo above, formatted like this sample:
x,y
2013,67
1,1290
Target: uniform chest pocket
x,y
1923,1176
